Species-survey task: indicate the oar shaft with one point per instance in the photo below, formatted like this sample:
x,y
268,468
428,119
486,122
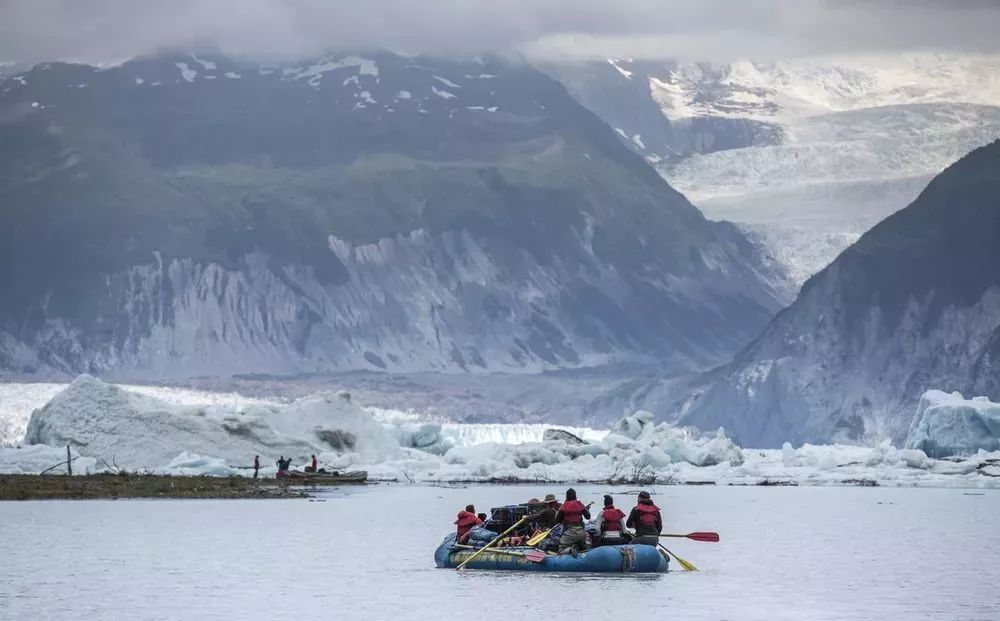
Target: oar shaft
x,y
483,549
699,536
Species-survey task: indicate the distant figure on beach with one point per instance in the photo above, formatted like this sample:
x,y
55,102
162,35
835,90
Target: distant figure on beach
x,y
256,466
283,465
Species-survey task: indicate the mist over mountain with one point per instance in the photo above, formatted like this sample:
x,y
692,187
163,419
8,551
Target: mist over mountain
x,y
187,215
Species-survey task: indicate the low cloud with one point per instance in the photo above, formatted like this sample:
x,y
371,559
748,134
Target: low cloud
x,y
111,30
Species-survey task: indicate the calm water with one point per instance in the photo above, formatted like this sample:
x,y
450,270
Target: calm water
x,y
792,553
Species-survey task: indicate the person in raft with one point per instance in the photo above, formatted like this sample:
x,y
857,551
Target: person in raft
x,y
545,517
256,465
467,519
646,520
610,524
312,465
571,515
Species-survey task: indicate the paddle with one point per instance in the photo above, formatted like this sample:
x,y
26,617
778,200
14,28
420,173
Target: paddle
x,y
535,556
686,565
499,537
538,538
710,537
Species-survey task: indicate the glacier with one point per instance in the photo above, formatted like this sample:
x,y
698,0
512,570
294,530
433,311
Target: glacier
x,y
805,154
150,432
948,425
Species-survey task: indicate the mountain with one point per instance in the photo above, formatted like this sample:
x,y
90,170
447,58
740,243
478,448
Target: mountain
x,y
913,305
191,215
804,155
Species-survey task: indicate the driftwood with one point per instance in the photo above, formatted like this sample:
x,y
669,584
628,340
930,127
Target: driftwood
x,y
62,463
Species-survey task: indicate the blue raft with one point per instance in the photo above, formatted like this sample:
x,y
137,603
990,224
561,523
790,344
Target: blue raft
x,y
605,559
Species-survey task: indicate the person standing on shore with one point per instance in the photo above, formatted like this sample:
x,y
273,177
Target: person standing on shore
x,y
256,466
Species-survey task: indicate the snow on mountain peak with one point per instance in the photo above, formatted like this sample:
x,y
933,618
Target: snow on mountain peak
x,y
315,72
186,72
624,72
787,90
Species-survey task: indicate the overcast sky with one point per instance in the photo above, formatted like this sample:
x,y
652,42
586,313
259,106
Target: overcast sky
x,y
112,30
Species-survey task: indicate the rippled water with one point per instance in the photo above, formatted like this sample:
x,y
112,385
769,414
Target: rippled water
x,y
786,553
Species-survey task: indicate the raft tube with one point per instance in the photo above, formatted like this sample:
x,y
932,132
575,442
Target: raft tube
x,y
604,559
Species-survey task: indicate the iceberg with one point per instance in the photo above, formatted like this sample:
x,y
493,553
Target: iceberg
x,y
139,431
169,432
949,425
39,458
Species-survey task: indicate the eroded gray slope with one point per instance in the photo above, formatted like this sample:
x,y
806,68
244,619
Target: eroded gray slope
x,y
183,216
913,305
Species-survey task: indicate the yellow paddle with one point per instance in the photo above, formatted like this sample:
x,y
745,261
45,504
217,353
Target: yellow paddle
x,y
540,537
499,537
686,565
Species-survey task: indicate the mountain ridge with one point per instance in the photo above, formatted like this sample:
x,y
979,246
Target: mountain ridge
x,y
197,215
913,305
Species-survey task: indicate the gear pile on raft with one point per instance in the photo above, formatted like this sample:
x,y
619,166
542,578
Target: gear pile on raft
x,y
546,535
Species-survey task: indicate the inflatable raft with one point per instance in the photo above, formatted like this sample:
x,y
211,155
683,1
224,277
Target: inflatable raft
x,y
605,559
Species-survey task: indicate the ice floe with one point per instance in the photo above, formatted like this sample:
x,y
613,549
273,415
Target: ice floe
x,y
169,431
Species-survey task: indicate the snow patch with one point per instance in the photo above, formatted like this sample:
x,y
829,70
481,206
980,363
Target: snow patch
x,y
232,75
624,72
403,95
446,81
139,80
207,64
186,72
442,93
314,73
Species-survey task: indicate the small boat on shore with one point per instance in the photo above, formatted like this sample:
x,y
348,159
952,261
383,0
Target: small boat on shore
x,y
604,559
326,478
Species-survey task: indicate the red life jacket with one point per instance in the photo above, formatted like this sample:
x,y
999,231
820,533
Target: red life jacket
x,y
465,523
647,514
572,511
612,517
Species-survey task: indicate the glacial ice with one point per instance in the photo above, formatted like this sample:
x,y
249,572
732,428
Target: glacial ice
x,y
148,432
37,458
949,425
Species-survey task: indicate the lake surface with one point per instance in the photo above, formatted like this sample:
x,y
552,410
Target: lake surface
x,y
367,553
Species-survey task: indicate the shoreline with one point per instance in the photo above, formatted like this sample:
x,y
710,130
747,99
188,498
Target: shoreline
x,y
109,486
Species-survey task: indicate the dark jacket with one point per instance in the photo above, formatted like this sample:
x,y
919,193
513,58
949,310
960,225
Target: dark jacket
x,y
645,526
544,519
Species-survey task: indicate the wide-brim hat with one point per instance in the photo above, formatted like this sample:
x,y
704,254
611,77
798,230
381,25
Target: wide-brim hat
x,y
549,498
